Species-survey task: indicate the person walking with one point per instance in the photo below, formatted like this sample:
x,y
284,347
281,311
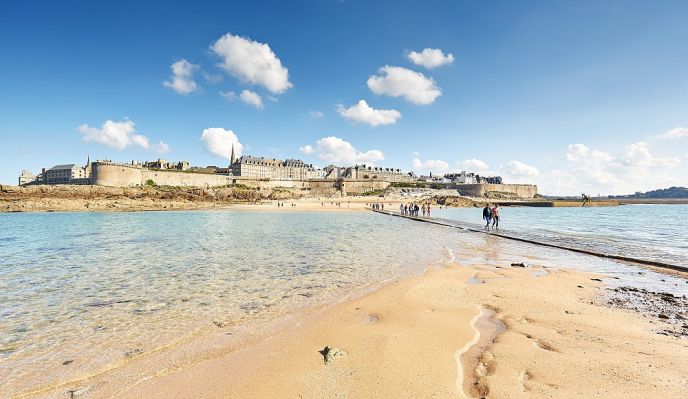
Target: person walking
x,y
487,216
495,216
428,210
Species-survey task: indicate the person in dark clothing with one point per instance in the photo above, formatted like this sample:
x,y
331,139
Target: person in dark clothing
x,y
487,215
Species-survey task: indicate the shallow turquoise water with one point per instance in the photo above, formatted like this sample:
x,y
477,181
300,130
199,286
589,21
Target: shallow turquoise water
x,y
651,232
97,288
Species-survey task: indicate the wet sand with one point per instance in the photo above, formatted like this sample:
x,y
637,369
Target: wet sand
x,y
454,331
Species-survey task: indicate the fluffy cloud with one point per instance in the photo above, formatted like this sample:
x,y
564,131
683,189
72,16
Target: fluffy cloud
x,y
638,154
401,82
182,77
520,169
119,135
430,58
337,151
635,168
434,165
675,133
251,98
316,114
474,164
577,152
219,141
252,62
306,149
362,112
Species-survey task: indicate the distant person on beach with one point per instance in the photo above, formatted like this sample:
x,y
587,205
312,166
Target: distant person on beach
x,y
401,208
428,209
487,215
423,207
495,216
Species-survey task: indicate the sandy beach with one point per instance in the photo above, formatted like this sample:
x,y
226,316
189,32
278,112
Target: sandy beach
x,y
454,331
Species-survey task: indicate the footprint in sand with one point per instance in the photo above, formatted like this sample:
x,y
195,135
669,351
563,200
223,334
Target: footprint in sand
x,y
523,378
372,318
542,345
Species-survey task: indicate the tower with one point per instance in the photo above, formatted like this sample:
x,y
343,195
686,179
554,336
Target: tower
x,y
232,158
87,167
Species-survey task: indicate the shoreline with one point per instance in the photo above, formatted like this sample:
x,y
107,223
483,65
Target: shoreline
x,y
403,340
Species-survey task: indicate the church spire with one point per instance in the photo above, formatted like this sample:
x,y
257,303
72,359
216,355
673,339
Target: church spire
x,y
232,158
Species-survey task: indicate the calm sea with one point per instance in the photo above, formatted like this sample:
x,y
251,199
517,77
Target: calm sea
x,y
81,293
650,232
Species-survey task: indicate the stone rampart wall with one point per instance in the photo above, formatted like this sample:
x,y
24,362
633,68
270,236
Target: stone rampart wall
x,y
479,190
184,179
358,187
115,175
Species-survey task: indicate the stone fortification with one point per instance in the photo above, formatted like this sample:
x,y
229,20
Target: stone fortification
x,y
125,175
482,190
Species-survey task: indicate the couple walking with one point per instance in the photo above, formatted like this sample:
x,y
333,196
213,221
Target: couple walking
x,y
491,215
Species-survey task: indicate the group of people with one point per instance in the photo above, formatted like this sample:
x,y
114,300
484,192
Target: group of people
x,y
491,215
378,207
281,205
413,209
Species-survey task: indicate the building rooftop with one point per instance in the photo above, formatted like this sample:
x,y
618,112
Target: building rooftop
x,y
69,166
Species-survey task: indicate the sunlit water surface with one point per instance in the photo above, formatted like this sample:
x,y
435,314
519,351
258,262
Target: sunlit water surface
x,y
100,288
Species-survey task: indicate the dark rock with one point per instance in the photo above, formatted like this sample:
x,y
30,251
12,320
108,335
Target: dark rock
x,y
66,362
331,353
663,316
521,264
596,279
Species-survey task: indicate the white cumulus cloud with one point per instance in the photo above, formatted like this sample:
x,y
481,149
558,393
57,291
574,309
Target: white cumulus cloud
x,y
182,80
363,113
306,149
219,141
474,164
634,168
430,58
638,154
433,165
401,82
518,168
337,151
119,135
675,133
251,98
252,62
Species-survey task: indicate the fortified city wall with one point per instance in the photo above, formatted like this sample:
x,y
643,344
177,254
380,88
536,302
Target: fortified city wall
x,y
125,175
479,190
115,174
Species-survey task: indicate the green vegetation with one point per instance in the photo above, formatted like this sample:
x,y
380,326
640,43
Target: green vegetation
x,y
408,185
374,193
150,183
671,192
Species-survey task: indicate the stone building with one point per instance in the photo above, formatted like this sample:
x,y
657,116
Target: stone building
x,y
165,165
266,168
27,177
360,172
64,174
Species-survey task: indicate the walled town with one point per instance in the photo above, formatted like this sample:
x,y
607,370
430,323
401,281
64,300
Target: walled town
x,y
268,173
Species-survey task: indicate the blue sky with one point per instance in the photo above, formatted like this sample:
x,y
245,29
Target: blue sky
x,y
585,96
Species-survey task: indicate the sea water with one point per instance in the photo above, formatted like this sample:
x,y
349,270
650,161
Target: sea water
x,y
649,232
81,293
